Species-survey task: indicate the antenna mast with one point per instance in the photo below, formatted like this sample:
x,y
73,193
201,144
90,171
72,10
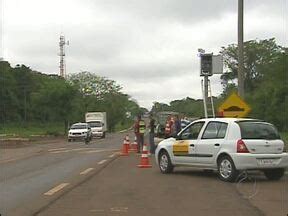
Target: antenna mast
x,y
62,66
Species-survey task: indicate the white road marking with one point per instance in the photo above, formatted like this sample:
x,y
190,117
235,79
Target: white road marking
x,y
112,155
56,189
9,160
119,209
56,149
81,150
86,171
99,150
93,151
97,210
101,162
70,150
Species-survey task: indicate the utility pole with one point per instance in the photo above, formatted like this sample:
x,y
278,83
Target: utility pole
x,y
62,66
240,50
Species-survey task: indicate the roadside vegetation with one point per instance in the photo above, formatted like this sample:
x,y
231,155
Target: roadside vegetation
x,y
37,103
266,83
11,130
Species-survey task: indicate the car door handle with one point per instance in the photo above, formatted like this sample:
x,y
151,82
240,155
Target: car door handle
x,y
217,144
192,145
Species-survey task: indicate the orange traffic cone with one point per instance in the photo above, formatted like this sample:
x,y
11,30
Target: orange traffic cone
x,y
134,146
144,158
125,148
128,141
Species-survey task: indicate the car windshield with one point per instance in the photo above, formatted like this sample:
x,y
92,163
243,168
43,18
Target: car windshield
x,y
78,126
258,130
95,124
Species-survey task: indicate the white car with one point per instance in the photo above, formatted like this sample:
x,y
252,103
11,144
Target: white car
x,y
79,131
227,145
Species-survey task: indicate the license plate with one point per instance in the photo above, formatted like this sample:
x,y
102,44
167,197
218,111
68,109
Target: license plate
x,y
266,161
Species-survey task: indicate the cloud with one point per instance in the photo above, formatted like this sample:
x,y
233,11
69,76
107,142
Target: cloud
x,y
150,47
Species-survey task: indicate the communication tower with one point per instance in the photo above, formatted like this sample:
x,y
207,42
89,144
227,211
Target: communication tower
x,y
62,66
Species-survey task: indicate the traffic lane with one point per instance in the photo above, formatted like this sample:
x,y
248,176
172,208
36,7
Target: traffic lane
x,y
56,153
123,189
21,190
25,180
269,196
11,153
34,204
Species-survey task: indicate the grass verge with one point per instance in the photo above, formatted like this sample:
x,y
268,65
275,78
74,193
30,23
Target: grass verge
x,y
31,129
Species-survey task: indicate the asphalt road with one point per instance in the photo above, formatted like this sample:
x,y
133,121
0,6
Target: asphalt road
x,y
24,182
73,179
124,189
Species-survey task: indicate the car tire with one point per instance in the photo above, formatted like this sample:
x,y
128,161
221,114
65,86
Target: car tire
x,y
274,174
103,136
165,164
226,169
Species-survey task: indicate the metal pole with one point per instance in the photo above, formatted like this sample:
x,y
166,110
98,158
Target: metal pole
x,y
205,94
240,50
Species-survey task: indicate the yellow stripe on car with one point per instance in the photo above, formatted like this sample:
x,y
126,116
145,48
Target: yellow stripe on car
x,y
180,147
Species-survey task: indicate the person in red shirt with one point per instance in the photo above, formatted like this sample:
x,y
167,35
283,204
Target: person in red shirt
x,y
168,127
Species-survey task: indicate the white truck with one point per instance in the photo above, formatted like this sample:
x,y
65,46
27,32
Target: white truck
x,y
97,122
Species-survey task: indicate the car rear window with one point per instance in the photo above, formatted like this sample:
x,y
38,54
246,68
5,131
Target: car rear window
x,y
258,130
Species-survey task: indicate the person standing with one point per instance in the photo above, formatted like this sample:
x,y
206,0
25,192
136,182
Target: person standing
x,y
139,130
168,127
151,134
177,124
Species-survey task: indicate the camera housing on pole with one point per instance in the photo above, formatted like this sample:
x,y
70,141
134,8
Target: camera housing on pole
x,y
206,64
209,64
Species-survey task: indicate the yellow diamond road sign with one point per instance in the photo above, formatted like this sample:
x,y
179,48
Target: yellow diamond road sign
x,y
234,106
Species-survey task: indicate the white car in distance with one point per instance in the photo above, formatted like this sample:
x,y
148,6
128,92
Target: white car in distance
x,y
228,145
79,131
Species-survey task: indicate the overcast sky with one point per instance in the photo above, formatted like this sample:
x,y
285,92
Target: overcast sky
x,y
148,46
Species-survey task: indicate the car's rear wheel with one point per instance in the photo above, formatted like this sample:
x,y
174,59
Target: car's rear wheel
x,y
165,164
274,174
226,169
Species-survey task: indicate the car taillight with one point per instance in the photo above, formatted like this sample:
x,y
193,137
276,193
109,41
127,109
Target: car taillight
x,y
241,147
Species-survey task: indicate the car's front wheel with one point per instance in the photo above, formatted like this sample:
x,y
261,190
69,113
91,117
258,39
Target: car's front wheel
x,y
165,164
274,174
226,169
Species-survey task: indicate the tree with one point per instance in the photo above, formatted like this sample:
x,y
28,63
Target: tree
x,y
104,95
53,102
8,96
91,84
258,56
266,85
